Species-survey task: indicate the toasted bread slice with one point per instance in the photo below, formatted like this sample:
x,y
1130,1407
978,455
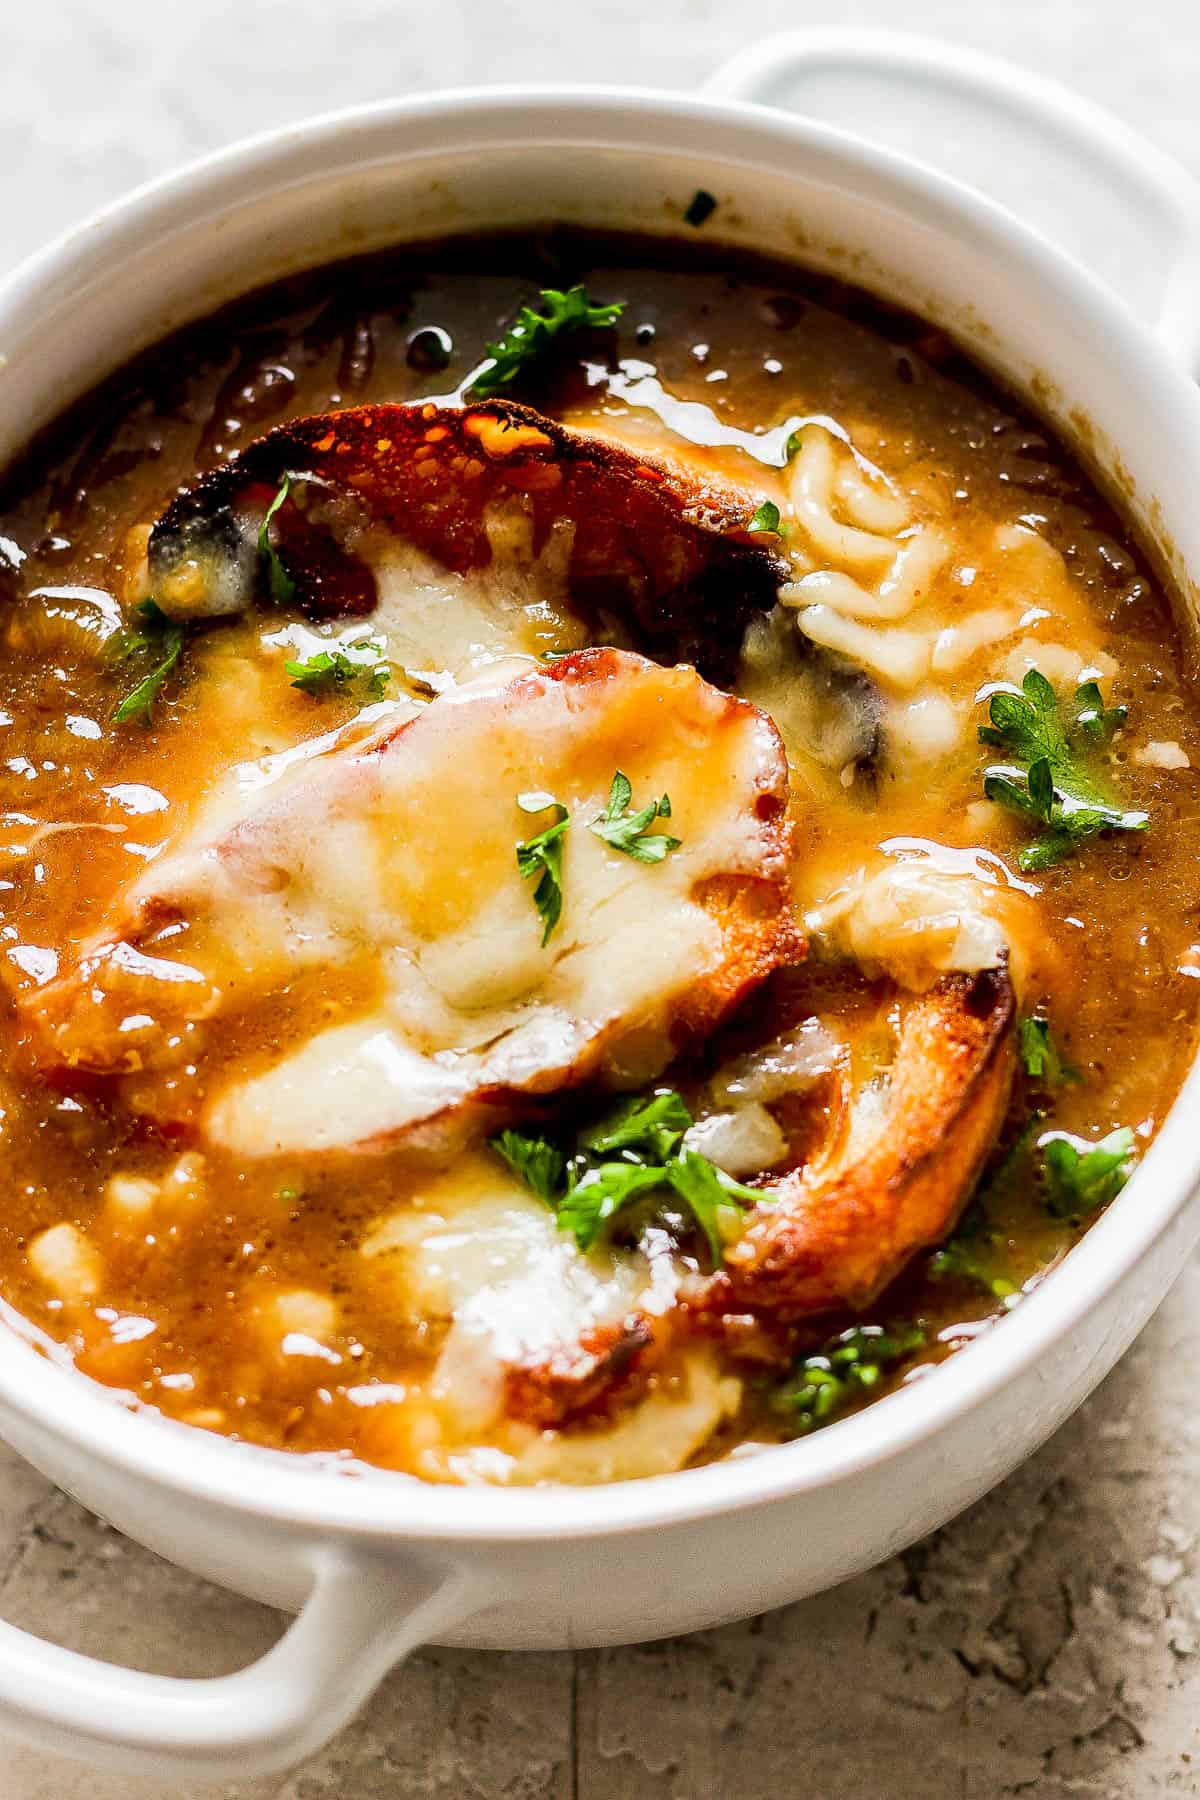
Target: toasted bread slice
x,y
390,869
659,549
834,1233
896,1168
605,1370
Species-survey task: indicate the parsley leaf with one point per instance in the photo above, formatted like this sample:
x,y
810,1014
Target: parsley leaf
x,y
968,1259
971,1254
600,1193
700,208
532,333
848,1366
161,635
1081,1177
766,518
709,1193
1039,1054
976,1252
1052,789
628,1152
541,856
280,585
653,1125
358,664
626,831
539,1163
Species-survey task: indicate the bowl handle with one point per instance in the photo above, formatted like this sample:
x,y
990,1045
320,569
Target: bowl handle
x,y
1077,174
363,1614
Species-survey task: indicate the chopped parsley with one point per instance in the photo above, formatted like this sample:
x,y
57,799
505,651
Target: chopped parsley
x,y
1069,1176
630,1151
1040,1057
700,208
766,518
650,1125
626,831
531,334
160,636
712,1198
541,857
966,1258
538,1162
598,1196
1080,1177
977,1252
974,1251
849,1366
1046,783
355,668
280,585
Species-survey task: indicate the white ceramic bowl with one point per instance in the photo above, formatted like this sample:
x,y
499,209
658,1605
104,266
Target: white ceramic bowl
x,y
378,1563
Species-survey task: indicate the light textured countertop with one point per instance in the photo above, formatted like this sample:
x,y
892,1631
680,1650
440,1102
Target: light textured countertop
x,y
1048,1643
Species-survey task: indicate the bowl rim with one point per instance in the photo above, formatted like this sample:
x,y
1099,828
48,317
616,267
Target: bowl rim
x,y
305,1491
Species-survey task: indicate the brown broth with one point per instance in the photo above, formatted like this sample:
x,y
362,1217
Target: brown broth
x,y
176,1318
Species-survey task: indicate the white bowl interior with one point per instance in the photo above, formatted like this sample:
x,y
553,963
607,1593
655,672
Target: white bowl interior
x,y
377,178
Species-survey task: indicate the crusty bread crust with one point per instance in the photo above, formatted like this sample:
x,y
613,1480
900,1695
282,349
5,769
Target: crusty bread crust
x,y
830,1236
606,1369
75,1023
662,548
835,1233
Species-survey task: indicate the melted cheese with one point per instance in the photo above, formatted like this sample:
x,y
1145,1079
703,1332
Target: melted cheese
x,y
396,861
661,1433
876,591
443,627
914,922
474,1253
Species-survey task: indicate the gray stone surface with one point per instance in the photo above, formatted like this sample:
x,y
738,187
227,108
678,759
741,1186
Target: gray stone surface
x,y
1048,1643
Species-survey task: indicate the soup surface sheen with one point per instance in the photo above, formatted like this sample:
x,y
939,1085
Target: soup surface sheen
x,y
277,983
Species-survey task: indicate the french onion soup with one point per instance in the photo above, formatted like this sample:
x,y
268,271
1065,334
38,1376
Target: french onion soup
x,y
597,862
